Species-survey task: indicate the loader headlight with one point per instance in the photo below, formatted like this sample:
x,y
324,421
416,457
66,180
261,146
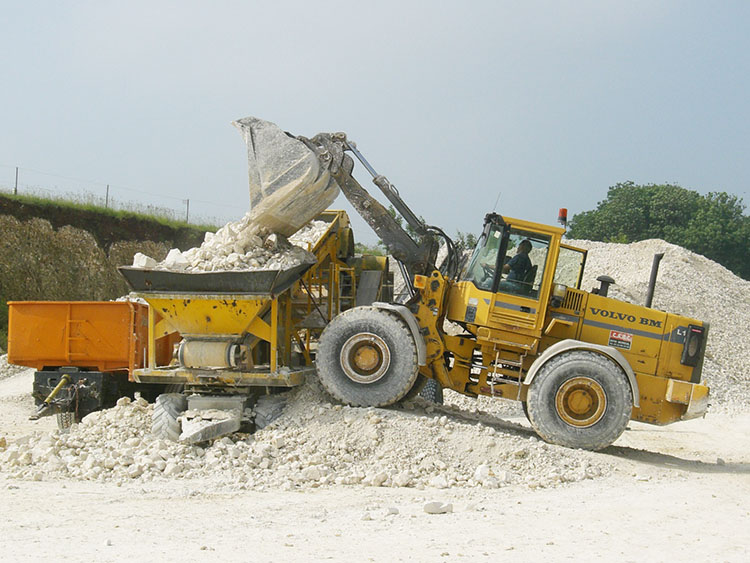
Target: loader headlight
x,y
558,294
559,290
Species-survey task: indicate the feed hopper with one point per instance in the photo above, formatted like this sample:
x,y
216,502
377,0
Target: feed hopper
x,y
235,327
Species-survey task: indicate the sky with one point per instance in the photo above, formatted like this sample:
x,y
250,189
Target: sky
x,y
467,107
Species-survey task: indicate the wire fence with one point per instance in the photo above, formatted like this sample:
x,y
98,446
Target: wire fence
x,y
48,185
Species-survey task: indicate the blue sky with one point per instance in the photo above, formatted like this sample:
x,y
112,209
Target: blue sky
x,y
545,104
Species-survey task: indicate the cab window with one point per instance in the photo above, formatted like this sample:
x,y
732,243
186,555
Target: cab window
x,y
481,268
524,263
570,264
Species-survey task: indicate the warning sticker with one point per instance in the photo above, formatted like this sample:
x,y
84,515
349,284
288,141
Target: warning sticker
x,y
620,339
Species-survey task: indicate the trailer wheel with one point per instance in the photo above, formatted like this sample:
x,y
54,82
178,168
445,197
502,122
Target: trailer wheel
x,y
580,399
367,357
65,420
167,409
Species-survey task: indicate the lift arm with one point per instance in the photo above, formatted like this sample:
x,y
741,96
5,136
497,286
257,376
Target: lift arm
x,y
416,256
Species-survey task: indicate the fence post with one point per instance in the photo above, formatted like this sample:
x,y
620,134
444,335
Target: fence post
x,y
187,210
106,199
15,188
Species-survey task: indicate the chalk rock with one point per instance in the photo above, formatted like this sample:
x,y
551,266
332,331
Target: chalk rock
x,y
482,472
143,261
175,260
378,479
439,482
437,507
403,479
312,473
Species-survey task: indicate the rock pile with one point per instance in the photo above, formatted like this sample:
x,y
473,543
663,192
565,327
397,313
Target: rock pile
x,y
240,245
314,444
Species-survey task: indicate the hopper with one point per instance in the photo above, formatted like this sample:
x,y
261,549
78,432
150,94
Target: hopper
x,y
258,282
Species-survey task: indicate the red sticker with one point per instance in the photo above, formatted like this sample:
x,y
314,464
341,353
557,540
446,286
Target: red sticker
x,y
620,339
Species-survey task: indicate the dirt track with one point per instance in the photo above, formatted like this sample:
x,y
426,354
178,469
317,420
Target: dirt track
x,y
677,492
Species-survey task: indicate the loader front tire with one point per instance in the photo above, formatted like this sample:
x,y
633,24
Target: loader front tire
x,y
167,409
580,399
367,357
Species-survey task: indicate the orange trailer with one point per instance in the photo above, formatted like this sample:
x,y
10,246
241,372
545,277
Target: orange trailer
x,y
95,345
102,336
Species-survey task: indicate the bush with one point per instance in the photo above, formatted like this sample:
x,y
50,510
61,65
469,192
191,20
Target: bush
x,y
713,225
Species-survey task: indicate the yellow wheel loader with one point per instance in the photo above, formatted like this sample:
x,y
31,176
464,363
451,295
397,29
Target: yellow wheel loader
x,y
583,364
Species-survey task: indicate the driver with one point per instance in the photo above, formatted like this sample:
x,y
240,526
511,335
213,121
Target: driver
x,y
517,267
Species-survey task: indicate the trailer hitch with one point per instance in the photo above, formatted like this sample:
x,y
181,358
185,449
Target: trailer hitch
x,y
47,403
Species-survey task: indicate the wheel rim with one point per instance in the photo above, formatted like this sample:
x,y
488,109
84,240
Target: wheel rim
x,y
365,358
581,402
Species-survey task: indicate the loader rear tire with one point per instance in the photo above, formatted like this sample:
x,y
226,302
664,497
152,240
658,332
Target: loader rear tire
x,y
167,409
367,358
580,399
416,389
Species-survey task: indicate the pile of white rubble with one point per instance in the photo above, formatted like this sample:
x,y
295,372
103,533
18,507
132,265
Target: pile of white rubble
x,y
315,443
241,246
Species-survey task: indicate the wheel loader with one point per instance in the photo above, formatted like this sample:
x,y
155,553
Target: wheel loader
x,y
583,364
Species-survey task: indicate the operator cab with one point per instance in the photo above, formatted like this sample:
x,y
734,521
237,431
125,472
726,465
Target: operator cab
x,y
508,259
509,277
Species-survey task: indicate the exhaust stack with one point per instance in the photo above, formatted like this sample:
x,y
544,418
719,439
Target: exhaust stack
x,y
652,280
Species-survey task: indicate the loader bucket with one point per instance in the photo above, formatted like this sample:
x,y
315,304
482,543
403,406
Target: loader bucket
x,y
288,185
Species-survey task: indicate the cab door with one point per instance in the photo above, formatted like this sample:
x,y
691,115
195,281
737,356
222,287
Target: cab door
x,y
494,293
520,296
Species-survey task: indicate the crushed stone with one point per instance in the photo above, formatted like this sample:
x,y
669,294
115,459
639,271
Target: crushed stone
x,y
9,370
242,246
314,444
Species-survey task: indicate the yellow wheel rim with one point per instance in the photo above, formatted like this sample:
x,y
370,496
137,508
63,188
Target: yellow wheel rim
x,y
365,358
581,402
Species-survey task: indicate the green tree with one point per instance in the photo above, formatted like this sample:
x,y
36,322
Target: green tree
x,y
714,225
465,241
